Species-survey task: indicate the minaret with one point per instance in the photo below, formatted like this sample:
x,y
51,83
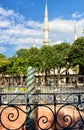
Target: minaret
x,y
34,43
46,27
75,34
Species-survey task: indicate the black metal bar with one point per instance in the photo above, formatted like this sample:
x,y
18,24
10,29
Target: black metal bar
x,y
0,100
74,102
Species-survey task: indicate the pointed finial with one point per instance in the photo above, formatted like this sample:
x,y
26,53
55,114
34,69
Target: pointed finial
x,y
46,9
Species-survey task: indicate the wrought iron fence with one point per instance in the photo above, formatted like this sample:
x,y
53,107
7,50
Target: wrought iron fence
x,y
42,111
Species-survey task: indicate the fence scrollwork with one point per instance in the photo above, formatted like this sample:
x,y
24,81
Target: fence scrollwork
x,y
43,112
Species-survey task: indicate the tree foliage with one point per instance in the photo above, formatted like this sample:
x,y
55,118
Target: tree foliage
x,y
45,58
60,52
76,54
3,63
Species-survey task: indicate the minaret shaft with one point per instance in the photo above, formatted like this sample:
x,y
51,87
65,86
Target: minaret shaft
x,y
75,34
46,27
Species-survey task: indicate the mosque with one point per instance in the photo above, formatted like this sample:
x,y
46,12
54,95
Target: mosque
x,y
46,42
65,80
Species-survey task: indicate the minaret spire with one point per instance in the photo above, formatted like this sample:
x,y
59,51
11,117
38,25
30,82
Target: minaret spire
x,y
46,27
46,9
75,34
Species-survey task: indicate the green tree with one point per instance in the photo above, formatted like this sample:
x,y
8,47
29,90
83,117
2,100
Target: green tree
x,y
17,66
18,63
34,57
60,52
3,63
2,56
46,58
76,54
22,53
22,61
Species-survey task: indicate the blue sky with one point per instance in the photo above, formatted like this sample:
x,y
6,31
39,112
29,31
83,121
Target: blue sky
x,y
21,22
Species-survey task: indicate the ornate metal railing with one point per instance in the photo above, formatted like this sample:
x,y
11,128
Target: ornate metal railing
x,y
55,111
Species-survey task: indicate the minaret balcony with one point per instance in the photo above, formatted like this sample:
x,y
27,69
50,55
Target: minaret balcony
x,y
46,41
46,29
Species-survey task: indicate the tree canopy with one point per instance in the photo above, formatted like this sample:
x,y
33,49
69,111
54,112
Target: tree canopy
x,y
60,52
76,54
3,63
45,58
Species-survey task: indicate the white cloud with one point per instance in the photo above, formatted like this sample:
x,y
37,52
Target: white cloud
x,y
6,12
4,23
77,15
33,24
2,49
63,30
16,31
59,42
